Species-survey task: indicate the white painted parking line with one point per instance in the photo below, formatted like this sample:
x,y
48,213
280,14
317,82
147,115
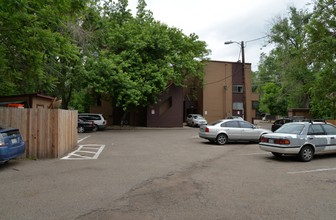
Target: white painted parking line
x,y
312,171
85,152
80,140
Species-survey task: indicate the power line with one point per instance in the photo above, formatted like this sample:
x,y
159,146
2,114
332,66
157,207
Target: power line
x,y
256,39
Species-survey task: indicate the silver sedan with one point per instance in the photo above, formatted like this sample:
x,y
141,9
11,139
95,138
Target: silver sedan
x,y
196,120
304,139
228,130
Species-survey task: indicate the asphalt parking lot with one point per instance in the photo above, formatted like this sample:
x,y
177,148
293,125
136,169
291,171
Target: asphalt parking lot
x,y
167,174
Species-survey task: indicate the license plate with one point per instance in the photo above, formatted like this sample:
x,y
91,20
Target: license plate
x,y
14,141
271,141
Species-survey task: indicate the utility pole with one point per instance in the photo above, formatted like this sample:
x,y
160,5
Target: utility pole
x,y
244,84
242,45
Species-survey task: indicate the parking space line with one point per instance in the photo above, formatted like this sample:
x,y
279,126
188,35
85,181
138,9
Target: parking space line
x,y
98,152
80,140
77,155
312,171
85,152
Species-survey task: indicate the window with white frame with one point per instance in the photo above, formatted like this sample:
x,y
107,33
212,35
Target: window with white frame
x,y
237,89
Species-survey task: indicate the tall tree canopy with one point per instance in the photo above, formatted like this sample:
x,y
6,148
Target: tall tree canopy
x,y
322,56
287,65
37,49
303,60
71,46
138,57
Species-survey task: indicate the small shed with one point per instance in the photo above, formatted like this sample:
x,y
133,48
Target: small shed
x,y
28,101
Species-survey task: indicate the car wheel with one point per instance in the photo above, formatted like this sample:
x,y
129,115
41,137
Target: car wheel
x,y
221,139
276,154
95,128
80,129
306,153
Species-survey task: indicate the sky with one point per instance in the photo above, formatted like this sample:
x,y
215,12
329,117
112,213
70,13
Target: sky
x,y
218,21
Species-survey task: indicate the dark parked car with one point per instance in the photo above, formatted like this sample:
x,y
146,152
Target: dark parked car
x,y
11,144
85,125
278,123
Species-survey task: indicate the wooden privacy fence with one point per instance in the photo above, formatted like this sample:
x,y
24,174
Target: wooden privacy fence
x,y
48,133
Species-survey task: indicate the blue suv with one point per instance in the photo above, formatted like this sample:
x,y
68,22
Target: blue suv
x,y
11,144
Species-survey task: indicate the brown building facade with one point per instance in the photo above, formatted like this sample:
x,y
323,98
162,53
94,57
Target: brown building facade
x,y
226,92
168,112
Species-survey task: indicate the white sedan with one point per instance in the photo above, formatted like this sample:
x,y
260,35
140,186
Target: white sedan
x,y
228,130
304,139
196,120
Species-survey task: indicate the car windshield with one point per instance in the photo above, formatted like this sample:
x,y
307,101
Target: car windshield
x,y
290,129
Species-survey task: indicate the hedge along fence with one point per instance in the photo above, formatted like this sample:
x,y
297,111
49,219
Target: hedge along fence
x,y
48,133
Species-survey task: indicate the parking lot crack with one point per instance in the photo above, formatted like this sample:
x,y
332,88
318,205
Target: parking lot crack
x,y
158,195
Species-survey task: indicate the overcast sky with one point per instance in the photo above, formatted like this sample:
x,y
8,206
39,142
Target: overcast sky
x,y
217,21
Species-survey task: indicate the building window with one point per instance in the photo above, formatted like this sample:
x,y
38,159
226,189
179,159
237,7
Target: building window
x,y
237,89
237,106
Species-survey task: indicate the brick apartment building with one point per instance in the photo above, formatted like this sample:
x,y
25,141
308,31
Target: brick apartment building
x,y
225,93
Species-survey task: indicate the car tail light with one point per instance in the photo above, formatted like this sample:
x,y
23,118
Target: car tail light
x,y
282,141
263,139
207,129
275,141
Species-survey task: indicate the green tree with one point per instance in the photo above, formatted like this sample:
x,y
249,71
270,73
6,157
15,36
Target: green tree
x,y
138,57
38,51
287,64
272,100
63,48
321,54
